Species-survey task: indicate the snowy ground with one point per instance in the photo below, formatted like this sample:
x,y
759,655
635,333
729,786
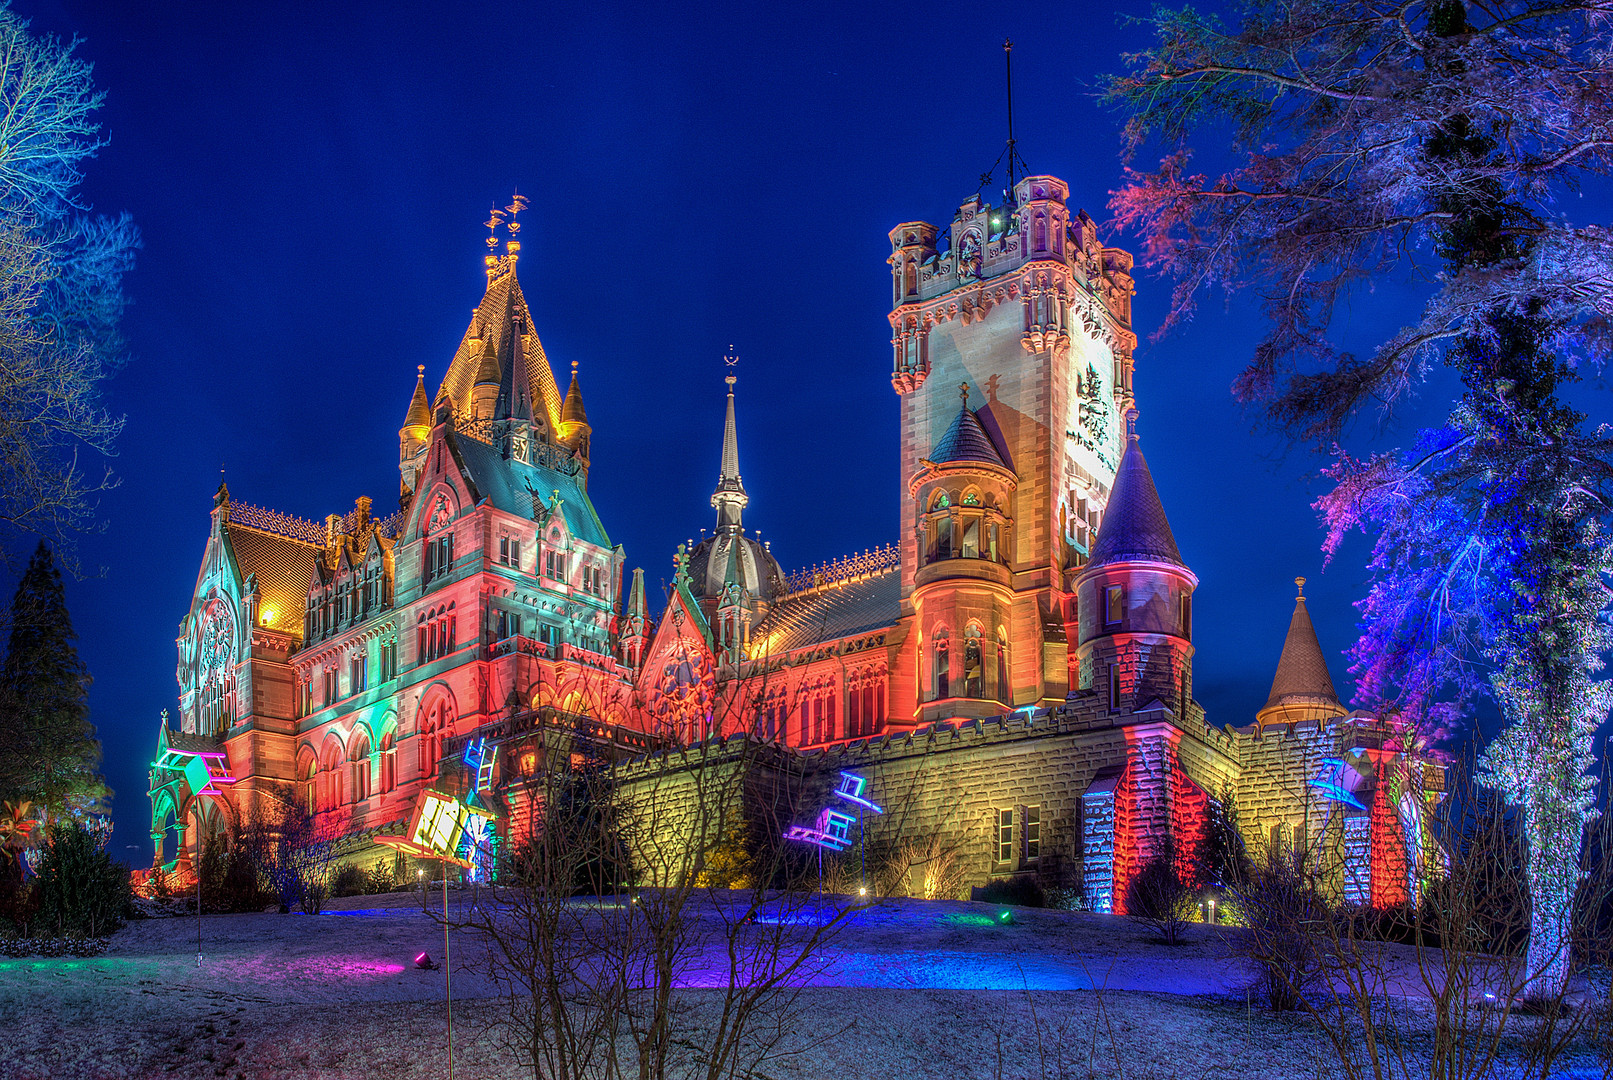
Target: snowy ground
x,y
910,989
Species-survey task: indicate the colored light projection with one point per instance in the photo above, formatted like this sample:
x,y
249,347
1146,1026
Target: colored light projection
x,y
832,830
1339,782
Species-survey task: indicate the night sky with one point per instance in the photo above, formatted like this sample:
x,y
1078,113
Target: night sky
x,y
310,181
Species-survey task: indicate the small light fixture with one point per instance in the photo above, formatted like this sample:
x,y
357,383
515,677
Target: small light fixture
x,y
1005,917
862,890
423,962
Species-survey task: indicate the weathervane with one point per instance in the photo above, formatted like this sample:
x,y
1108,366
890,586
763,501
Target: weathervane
x,y
517,204
493,220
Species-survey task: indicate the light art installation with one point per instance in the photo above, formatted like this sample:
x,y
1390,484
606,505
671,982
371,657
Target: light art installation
x,y
203,770
832,831
437,827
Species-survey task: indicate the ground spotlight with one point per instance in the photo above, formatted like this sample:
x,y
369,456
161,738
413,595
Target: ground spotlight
x,y
1005,917
423,962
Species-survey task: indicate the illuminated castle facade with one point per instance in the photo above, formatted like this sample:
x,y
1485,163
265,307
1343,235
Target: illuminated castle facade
x,y
1019,662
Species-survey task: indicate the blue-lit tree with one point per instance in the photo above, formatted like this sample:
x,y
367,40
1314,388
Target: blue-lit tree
x,y
1427,140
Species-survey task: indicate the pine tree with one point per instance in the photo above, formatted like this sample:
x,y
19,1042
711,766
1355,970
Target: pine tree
x,y
48,749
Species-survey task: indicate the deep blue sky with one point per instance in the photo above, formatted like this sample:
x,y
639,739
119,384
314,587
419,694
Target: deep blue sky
x,y
310,181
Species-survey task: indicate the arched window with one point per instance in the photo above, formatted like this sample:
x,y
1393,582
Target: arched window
x,y
358,756
330,775
308,777
433,729
854,707
389,763
974,683
1041,233
941,681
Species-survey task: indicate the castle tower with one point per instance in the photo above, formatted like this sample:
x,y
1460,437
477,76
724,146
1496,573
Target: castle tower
x,y
1135,597
963,596
574,429
413,435
1025,303
1302,689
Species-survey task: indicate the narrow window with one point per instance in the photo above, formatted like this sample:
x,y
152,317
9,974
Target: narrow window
x,y
1187,615
1114,688
1033,833
1113,605
504,550
1005,835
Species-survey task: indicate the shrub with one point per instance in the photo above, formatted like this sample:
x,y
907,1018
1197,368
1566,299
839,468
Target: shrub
x,y
1016,891
349,880
381,878
230,879
82,892
1285,918
1158,898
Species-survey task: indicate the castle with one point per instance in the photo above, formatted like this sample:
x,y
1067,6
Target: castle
x,y
1027,643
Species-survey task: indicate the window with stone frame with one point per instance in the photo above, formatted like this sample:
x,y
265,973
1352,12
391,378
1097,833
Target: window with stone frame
x,y
1114,686
1033,833
1005,834
1114,605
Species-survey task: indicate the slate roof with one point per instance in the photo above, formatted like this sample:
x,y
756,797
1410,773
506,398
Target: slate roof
x,y
759,571
1302,677
966,440
833,613
494,316
510,485
285,570
1134,524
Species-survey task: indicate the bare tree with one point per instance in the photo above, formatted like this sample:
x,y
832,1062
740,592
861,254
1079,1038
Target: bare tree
x,y
1434,140
61,295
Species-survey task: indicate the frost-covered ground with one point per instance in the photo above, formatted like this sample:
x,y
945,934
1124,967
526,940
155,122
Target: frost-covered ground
x,y
908,989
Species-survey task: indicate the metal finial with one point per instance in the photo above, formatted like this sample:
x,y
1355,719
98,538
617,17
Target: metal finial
x,y
731,358
420,369
517,204
963,392
494,216
1299,583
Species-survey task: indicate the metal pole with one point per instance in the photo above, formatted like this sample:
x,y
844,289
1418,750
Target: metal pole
x,y
447,972
1008,66
198,867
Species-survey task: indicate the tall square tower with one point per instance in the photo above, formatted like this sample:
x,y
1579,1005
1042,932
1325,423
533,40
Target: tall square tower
x,y
1013,350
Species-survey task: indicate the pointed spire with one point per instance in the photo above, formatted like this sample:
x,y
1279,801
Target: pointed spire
x,y
635,597
487,371
419,408
514,387
1302,677
572,412
1134,524
729,499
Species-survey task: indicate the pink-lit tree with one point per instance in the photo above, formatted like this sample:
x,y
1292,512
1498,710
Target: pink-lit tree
x,y
1427,141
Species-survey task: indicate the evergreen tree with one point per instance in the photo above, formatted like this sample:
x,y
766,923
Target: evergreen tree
x,y
48,749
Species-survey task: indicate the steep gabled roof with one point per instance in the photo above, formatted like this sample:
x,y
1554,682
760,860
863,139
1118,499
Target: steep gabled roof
x,y
1134,526
1302,676
966,440
494,316
284,568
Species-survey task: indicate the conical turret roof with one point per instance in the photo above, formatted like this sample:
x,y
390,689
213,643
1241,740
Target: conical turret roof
x,y
1302,677
1134,524
514,383
572,411
966,440
419,408
487,371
